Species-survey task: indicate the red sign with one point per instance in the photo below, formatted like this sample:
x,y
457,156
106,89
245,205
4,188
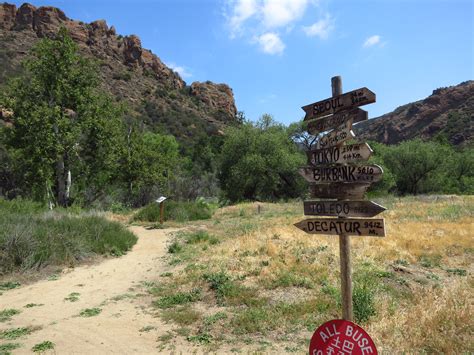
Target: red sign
x,y
341,337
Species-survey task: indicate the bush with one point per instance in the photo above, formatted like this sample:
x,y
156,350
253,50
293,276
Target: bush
x,y
175,210
33,239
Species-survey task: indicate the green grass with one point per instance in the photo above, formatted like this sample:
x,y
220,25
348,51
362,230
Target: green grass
x,y
182,316
73,297
179,298
229,292
5,349
90,312
14,333
32,237
175,211
31,305
7,314
43,346
9,285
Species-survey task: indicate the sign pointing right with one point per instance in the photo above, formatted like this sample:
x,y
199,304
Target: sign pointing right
x,y
342,208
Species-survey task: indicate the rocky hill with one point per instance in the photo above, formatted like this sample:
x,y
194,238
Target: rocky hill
x,y
156,94
448,111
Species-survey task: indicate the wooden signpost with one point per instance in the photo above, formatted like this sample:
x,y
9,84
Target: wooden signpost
x,y
347,226
337,136
350,153
316,126
335,172
342,173
342,208
340,190
339,102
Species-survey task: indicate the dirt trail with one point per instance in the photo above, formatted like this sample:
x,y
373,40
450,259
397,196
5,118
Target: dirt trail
x,y
117,328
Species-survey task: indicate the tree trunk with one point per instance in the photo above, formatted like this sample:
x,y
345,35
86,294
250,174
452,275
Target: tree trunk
x,y
61,182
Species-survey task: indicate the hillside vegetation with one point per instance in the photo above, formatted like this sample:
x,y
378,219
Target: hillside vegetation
x,y
32,238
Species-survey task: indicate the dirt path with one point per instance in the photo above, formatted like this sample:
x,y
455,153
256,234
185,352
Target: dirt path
x,y
116,286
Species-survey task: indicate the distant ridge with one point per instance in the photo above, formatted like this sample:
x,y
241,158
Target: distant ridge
x,y
448,111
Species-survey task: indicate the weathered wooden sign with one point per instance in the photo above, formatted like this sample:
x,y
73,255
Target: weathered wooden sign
x,y
332,176
339,155
347,101
318,125
346,226
340,190
342,208
337,135
342,173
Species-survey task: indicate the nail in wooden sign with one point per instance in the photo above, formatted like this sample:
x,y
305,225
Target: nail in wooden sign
x,y
342,208
347,101
337,136
340,155
319,125
342,173
347,226
340,190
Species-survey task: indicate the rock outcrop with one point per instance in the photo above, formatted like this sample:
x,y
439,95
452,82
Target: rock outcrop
x,y
448,111
129,71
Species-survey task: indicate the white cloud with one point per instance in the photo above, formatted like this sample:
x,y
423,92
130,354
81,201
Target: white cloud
x,y
279,13
265,22
321,28
372,41
182,71
271,43
268,13
243,10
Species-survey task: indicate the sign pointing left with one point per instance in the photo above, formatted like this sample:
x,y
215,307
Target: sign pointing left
x,y
347,101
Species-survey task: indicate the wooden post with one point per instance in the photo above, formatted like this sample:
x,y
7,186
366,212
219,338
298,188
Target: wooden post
x,y
162,210
344,242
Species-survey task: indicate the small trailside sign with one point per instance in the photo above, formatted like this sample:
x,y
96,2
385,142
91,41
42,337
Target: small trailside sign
x,y
341,337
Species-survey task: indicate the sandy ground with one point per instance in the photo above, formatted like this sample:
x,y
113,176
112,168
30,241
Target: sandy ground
x,y
117,328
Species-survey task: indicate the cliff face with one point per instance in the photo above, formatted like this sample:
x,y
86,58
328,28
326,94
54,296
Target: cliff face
x,y
129,71
448,111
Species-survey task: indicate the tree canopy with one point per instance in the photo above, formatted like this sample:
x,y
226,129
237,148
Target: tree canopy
x,y
260,161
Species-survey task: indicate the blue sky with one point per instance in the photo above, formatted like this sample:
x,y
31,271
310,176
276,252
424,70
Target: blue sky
x,y
278,55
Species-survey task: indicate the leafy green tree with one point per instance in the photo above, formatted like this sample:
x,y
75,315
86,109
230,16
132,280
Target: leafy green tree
x,y
64,129
260,161
388,183
416,165
149,164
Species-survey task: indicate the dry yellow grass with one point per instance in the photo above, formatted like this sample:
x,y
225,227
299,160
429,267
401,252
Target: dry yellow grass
x,y
422,272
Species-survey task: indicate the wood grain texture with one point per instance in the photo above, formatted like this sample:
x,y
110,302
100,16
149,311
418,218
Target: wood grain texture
x,y
342,208
342,102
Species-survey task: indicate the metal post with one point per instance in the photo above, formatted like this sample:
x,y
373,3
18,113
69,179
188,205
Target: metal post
x,y
162,207
344,242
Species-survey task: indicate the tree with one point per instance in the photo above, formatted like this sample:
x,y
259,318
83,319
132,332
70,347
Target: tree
x,y
260,161
416,165
64,129
150,160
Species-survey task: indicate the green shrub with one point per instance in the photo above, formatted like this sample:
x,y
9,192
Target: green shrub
x,y
175,210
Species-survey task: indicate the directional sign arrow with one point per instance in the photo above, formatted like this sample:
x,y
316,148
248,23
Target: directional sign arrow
x,y
342,173
340,191
337,136
347,226
340,155
347,101
319,125
342,208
